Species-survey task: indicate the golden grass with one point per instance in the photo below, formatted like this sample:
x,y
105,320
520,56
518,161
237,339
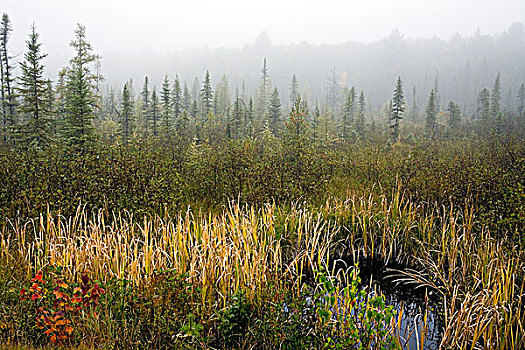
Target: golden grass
x,y
481,278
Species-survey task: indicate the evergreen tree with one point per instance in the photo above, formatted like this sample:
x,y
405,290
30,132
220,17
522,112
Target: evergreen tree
x,y
495,102
206,95
398,107
155,112
430,114
414,110
484,106
274,111
165,97
126,115
186,99
183,124
6,78
297,126
194,109
348,114
437,97
521,100
177,98
261,100
146,105
294,90
454,114
360,115
222,95
80,94
315,121
237,114
35,106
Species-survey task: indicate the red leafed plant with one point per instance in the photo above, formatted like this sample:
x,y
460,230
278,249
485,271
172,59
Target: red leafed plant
x,y
59,305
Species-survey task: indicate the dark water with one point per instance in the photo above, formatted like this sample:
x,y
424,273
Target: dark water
x,y
415,301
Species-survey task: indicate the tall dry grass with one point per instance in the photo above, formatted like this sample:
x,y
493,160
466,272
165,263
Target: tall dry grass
x,y
243,248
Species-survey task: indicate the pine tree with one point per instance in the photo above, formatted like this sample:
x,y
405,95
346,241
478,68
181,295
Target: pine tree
x,y
6,78
297,126
35,106
222,95
398,107
414,110
264,79
454,114
315,121
176,98
186,99
274,111
521,100
165,97
194,109
206,95
430,114
348,114
126,115
294,90
237,114
495,102
360,115
146,105
155,112
484,106
437,97
80,94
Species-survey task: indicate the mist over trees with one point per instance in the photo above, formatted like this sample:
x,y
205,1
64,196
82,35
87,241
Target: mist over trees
x,y
344,91
462,65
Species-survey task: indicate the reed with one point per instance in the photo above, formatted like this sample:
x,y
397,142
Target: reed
x,y
480,277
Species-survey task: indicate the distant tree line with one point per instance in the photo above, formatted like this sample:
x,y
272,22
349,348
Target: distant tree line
x,y
76,111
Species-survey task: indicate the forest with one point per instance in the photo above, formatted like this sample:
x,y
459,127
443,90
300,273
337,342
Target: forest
x,y
265,210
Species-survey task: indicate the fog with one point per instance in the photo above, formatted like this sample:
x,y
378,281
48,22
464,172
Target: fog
x,y
164,25
366,43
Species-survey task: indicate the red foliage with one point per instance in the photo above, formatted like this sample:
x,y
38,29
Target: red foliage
x,y
59,305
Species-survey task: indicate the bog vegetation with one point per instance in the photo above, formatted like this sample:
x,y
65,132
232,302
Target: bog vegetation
x,y
188,219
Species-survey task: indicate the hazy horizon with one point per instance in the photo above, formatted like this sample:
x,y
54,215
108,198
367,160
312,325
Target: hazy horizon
x,y
162,26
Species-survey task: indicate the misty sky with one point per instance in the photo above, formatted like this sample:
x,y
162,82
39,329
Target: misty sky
x,y
163,25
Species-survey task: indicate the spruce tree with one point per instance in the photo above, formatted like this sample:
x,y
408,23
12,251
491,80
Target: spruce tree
x,y
360,115
430,114
348,114
155,112
176,98
521,100
261,100
186,99
165,97
398,107
146,105
414,110
80,94
274,111
454,114
495,101
126,115
35,107
222,94
206,95
237,113
315,121
6,78
484,106
294,90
